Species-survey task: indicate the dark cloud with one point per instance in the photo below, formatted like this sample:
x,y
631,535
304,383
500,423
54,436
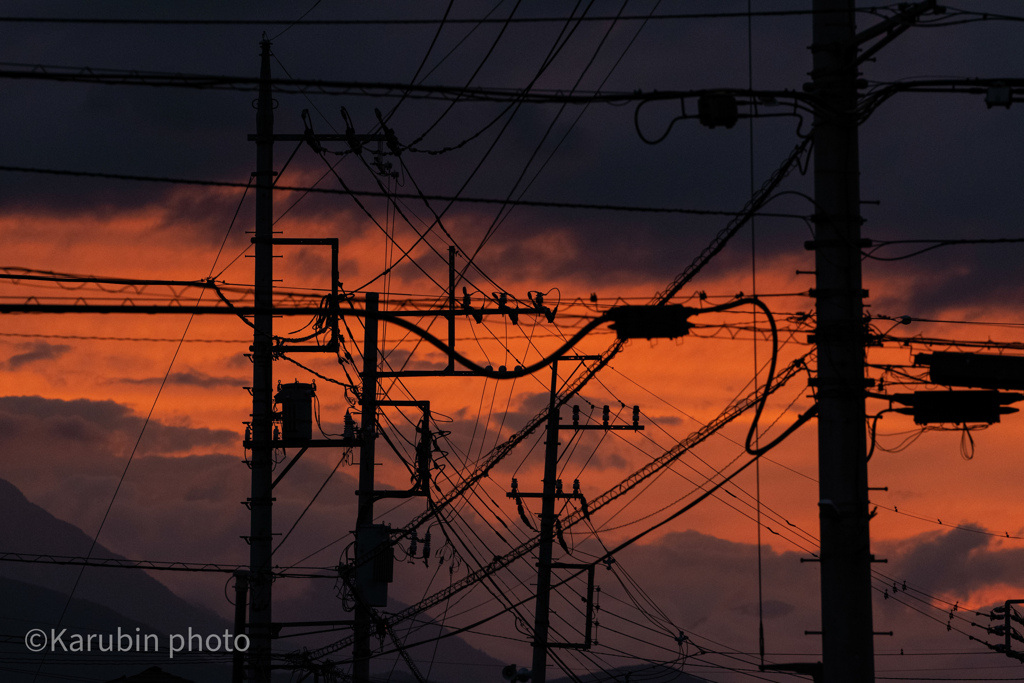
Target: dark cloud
x,y
188,508
608,461
191,377
709,588
96,427
548,152
958,562
770,609
34,352
69,457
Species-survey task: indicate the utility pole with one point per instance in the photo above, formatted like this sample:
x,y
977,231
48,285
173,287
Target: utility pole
x,y
846,624
241,600
261,500
371,566
551,493
262,440
547,531
364,516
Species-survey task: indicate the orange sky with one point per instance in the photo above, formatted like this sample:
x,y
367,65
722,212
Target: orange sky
x,y
678,384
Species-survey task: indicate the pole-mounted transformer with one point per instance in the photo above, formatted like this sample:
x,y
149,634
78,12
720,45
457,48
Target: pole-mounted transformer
x,y
296,401
985,371
956,407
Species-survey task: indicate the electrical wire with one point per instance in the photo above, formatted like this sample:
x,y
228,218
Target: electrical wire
x,y
393,21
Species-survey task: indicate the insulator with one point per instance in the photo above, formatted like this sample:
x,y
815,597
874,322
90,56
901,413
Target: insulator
x,y
560,535
426,546
576,486
575,416
522,514
636,416
605,414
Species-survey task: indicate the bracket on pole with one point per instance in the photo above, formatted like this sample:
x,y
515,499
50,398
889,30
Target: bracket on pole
x,y
892,28
588,631
812,669
424,448
333,343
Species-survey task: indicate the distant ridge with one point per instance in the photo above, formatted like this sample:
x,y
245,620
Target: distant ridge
x,y
28,528
640,673
34,596
27,607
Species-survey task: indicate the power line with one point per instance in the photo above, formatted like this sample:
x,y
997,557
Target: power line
x,y
153,565
414,22
518,95
387,195
83,337
728,415
935,520
953,343
932,244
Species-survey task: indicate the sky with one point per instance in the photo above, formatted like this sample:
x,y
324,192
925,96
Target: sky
x,y
144,414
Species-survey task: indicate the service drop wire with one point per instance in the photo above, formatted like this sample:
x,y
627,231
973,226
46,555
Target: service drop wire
x,y
761,450
610,316
608,554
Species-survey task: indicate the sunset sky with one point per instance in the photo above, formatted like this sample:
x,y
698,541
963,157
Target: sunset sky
x,y
77,388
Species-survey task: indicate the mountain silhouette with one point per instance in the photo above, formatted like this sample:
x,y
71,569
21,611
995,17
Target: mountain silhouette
x,y
28,528
35,595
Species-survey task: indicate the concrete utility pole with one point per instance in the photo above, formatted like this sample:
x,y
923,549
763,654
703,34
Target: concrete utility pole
x,y
551,493
547,531
364,516
847,632
260,502
241,601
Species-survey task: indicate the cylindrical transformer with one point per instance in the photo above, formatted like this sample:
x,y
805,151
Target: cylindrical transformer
x,y
296,401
